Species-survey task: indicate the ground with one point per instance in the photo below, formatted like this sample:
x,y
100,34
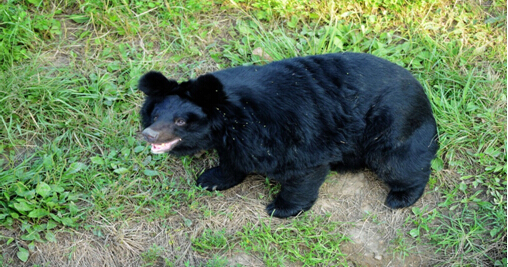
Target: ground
x,y
355,199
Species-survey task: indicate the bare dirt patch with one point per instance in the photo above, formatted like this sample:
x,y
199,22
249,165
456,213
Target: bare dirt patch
x,y
356,199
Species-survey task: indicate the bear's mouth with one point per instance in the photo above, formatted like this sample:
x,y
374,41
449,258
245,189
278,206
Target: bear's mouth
x,y
165,147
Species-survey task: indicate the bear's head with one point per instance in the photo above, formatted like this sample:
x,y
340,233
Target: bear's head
x,y
178,118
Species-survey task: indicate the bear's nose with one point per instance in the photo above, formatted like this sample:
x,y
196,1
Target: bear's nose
x,y
150,135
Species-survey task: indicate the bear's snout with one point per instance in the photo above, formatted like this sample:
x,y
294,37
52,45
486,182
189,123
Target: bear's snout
x,y
150,135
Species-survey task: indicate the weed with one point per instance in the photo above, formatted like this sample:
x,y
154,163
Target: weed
x,y
311,241
400,247
422,220
151,255
211,240
464,233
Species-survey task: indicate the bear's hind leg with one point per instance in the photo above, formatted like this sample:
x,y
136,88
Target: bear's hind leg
x,y
298,193
405,170
406,176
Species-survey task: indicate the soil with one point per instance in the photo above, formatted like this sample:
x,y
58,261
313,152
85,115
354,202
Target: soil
x,y
354,198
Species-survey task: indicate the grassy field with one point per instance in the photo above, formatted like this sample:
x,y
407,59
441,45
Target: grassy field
x,y
79,187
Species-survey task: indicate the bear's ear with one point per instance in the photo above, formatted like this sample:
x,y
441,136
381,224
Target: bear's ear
x,y
207,92
155,83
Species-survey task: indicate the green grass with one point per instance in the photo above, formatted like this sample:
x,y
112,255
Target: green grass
x,y
313,242
68,113
303,240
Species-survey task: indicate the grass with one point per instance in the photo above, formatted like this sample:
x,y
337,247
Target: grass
x,y
71,159
312,242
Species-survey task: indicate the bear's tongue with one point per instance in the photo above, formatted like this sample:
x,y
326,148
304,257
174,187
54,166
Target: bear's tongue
x,y
164,147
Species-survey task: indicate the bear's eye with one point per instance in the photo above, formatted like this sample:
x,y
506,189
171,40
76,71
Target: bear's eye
x,y
155,118
180,122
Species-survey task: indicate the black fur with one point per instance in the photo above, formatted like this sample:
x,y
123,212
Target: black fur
x,y
294,120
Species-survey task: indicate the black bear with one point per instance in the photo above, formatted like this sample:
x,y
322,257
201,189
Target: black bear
x,y
296,119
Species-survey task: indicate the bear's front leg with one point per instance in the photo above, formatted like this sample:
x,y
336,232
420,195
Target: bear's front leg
x,y
217,179
298,193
